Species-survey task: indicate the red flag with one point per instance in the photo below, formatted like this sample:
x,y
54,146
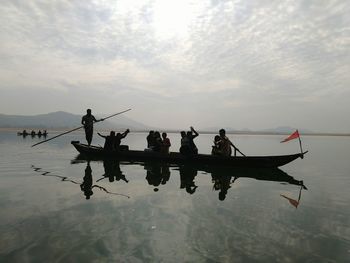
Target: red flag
x,y
294,135
293,202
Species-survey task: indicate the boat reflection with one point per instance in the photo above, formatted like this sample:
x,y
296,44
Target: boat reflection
x,y
222,177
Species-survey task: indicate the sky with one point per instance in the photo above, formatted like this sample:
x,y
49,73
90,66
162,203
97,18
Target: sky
x,y
245,64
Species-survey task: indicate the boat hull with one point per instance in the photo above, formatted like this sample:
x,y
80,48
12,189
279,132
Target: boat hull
x,y
96,153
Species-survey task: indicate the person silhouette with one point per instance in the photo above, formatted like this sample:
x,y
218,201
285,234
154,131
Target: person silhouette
x,y
86,186
88,122
113,171
153,174
222,181
109,141
187,175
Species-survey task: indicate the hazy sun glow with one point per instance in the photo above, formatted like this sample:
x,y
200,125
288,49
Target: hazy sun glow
x,y
173,18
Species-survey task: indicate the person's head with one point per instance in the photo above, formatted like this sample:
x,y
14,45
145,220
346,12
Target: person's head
x,y
151,132
112,133
88,193
222,196
222,132
88,111
183,134
157,134
216,138
189,133
119,135
164,135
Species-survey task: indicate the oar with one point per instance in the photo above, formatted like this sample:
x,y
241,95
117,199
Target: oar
x,y
79,128
236,149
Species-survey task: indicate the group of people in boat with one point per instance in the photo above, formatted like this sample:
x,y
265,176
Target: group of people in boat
x,y
157,143
33,133
160,143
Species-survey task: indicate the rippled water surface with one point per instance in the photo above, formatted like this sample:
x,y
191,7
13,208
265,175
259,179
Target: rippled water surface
x,y
58,208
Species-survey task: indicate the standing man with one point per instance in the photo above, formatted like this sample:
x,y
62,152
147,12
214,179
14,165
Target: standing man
x,y
88,122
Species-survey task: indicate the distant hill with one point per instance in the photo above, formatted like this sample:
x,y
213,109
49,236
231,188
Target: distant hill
x,y
285,129
61,119
277,130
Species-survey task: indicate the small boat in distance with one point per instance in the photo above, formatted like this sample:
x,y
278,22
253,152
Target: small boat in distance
x,y
98,153
32,133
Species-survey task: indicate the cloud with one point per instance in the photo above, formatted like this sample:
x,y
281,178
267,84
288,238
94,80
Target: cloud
x,y
253,53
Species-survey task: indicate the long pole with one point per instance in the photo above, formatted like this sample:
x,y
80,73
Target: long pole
x,y
78,128
236,149
301,149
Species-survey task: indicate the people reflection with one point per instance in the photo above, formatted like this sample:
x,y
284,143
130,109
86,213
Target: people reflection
x,y
157,174
112,171
165,172
153,174
86,186
187,175
222,182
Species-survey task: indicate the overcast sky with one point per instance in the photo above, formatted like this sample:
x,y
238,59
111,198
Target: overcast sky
x,y
240,64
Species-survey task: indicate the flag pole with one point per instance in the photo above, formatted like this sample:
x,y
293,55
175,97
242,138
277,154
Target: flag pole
x,y
301,148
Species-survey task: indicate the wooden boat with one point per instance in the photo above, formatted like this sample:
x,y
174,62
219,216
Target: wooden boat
x,y
23,133
95,153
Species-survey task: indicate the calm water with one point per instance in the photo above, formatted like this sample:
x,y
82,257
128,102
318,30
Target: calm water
x,y
153,213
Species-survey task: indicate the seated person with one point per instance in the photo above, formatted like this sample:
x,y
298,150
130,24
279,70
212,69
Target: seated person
x,y
225,144
185,144
150,140
118,139
157,142
109,141
165,143
217,145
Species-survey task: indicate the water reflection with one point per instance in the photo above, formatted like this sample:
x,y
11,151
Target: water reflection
x,y
112,171
292,201
47,173
223,177
86,185
222,182
187,175
158,174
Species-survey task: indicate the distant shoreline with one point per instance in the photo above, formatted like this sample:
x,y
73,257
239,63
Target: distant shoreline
x,y
58,130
